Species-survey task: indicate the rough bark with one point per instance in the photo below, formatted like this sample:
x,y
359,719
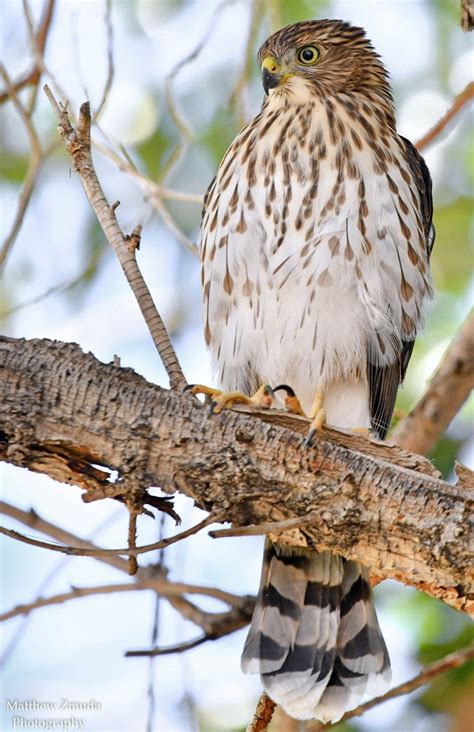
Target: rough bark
x,y
64,412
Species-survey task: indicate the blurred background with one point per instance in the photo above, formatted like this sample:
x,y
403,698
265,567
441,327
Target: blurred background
x,y
171,82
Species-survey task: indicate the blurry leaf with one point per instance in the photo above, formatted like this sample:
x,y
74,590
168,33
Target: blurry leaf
x,y
292,12
444,455
443,693
13,167
153,150
223,128
451,252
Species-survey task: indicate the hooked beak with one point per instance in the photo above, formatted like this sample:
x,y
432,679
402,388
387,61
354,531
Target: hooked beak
x,y
271,75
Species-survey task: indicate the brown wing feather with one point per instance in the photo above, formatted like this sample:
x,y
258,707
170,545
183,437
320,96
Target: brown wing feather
x,y
384,381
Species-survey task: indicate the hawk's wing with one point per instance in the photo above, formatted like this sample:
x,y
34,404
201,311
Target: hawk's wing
x,y
385,380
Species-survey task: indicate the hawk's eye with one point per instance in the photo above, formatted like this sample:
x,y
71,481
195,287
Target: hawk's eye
x,y
308,55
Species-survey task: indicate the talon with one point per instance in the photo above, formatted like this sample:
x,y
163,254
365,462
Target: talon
x,y
292,403
318,416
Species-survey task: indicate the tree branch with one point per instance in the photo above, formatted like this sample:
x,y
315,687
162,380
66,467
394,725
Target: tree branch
x,y
447,391
453,660
73,594
78,145
456,107
98,552
263,714
33,76
214,625
65,413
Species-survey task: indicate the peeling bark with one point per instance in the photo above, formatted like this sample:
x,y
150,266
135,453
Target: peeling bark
x,y
63,412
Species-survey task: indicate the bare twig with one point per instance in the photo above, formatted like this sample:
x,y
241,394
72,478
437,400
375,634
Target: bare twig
x,y
131,550
263,714
132,539
460,101
110,60
271,527
185,131
447,391
37,158
236,96
73,594
453,660
178,648
60,288
32,77
154,192
213,624
78,144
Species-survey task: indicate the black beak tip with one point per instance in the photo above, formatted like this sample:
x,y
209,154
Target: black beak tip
x,y
269,81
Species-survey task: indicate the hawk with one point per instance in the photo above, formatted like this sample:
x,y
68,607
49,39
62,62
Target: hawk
x,y
315,242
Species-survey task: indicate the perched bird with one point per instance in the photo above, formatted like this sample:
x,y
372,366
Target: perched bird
x,y
315,242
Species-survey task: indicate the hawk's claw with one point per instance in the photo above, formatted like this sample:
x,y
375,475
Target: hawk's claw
x,y
291,401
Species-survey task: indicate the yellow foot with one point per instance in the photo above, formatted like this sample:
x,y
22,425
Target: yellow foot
x,y
368,432
220,400
317,415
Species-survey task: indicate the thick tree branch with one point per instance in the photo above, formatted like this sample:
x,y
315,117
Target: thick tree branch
x,y
65,413
447,391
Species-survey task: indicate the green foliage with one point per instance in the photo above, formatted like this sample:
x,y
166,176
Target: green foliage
x,y
13,167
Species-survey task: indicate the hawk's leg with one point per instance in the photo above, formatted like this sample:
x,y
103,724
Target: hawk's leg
x,y
317,416
220,400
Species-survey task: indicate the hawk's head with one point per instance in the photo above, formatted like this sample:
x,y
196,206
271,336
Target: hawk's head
x,y
329,56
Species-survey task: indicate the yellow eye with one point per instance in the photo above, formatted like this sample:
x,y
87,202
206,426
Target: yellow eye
x,y
308,55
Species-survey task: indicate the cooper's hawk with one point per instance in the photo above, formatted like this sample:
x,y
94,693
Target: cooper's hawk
x,y
315,242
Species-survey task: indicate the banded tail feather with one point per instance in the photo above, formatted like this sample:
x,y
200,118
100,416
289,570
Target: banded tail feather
x,y
314,637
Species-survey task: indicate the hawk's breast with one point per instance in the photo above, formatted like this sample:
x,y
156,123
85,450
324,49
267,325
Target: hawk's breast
x,y
311,251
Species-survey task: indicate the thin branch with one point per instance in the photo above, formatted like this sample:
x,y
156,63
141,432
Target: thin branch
x,y
78,144
447,391
452,661
237,94
263,714
458,104
185,131
32,77
270,527
110,60
28,124
37,158
59,288
131,550
214,625
178,648
150,187
155,193
73,594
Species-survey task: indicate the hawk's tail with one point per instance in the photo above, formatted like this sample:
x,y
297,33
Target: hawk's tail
x,y
314,637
